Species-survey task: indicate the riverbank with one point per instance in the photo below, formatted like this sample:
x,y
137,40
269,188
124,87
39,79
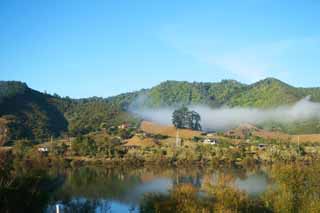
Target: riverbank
x,y
158,188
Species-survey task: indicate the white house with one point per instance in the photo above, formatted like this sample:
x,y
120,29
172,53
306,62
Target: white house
x,y
210,141
43,149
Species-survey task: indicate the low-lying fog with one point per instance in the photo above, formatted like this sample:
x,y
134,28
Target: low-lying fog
x,y
226,117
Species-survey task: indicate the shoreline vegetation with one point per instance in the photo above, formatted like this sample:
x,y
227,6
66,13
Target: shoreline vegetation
x,y
37,171
165,145
32,180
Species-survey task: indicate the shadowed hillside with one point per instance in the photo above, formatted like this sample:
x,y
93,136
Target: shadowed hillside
x,y
29,113
26,113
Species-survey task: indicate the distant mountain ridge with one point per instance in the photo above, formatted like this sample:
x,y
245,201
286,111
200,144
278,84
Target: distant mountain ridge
x,y
26,113
266,93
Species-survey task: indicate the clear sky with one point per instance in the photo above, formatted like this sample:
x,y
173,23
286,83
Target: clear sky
x,y
84,48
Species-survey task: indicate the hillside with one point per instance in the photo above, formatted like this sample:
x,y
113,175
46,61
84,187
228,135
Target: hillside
x,y
269,92
26,113
266,93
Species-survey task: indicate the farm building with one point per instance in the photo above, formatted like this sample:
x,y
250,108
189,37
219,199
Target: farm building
x,y
210,141
43,149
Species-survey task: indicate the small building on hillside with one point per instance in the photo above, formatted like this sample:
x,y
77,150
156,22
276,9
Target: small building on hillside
x,y
210,141
123,126
43,149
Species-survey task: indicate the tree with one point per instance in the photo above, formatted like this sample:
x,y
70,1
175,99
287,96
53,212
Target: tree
x,y
84,146
195,120
183,118
179,117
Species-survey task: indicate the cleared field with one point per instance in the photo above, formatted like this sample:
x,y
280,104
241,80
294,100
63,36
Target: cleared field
x,y
315,138
137,141
270,135
306,138
171,131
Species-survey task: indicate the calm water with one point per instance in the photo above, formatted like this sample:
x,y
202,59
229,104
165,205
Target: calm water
x,y
92,189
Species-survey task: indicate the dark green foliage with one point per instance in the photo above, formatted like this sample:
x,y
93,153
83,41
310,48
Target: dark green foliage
x,y
84,146
93,114
269,92
59,149
183,118
113,130
173,93
196,139
126,133
109,147
32,114
25,184
11,88
178,117
266,93
37,116
87,115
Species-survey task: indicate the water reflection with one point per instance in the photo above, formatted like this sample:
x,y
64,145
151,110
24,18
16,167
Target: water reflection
x,y
91,189
254,184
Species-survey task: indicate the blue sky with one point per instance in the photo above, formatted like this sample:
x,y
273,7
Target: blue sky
x,y
84,48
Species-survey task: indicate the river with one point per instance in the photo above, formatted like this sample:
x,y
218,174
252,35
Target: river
x,y
98,189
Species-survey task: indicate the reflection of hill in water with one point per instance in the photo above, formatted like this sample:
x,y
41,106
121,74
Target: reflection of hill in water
x,y
98,186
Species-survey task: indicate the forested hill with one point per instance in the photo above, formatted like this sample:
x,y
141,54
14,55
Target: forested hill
x,y
26,113
269,92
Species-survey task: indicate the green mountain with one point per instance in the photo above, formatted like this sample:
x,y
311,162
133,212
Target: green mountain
x,y
26,113
269,92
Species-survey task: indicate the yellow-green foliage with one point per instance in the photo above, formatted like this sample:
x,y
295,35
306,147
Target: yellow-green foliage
x,y
296,188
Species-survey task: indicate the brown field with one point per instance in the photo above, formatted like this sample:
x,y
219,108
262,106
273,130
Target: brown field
x,y
306,138
269,135
314,138
154,128
137,141
272,135
170,131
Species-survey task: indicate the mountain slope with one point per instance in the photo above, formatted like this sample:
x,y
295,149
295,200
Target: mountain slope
x,y
29,114
269,92
26,113
172,93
